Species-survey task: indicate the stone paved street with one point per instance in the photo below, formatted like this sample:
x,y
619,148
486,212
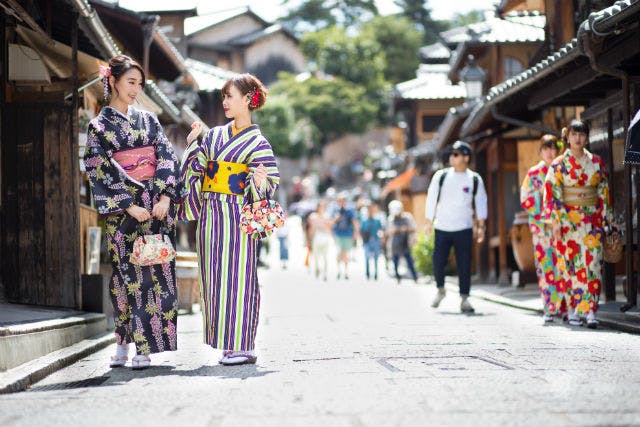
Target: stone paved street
x,y
358,354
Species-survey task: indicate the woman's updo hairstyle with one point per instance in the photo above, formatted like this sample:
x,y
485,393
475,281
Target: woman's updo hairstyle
x,y
551,141
118,66
249,86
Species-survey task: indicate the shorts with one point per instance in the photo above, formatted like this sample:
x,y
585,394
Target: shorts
x,y
344,243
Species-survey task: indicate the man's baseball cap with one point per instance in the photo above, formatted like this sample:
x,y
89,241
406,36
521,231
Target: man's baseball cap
x,y
462,147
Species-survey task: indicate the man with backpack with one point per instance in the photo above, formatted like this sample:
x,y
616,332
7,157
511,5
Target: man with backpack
x,y
345,231
455,199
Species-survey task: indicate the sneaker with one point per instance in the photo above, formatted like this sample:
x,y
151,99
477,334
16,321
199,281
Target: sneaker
x,y
592,322
439,297
547,318
466,307
140,362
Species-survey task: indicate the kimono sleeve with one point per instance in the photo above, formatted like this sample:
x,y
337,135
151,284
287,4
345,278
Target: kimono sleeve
x,y
194,162
530,197
110,192
263,154
553,202
167,178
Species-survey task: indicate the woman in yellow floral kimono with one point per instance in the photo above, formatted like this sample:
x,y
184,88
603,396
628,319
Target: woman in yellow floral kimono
x,y
531,200
577,201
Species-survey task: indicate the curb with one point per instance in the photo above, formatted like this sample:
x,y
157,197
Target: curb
x,y
22,377
617,325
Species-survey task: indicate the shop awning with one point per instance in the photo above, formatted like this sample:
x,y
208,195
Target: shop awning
x,y
400,182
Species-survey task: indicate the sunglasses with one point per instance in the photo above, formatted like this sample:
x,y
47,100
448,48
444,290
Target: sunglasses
x,y
455,153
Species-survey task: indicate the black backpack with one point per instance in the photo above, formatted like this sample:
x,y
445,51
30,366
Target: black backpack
x,y
473,193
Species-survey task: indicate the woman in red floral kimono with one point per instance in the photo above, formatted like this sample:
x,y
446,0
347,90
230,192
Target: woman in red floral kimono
x,y
577,201
531,200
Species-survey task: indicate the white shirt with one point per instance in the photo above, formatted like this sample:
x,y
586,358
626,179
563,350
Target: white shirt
x,y
454,211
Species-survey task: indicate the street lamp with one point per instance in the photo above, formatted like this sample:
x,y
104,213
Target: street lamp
x,y
473,78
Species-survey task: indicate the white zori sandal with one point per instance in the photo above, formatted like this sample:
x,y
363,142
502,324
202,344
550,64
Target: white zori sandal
x,y
140,361
121,357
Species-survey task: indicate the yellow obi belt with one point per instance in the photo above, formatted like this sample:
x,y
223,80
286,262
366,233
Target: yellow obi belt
x,y
225,177
580,196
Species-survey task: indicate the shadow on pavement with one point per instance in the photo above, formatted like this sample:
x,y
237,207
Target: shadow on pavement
x,y
457,313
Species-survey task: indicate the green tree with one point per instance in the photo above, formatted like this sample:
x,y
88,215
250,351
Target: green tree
x,y
325,13
398,41
277,120
418,12
334,107
463,19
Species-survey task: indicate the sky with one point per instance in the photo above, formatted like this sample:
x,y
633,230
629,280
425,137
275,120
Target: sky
x,y
271,10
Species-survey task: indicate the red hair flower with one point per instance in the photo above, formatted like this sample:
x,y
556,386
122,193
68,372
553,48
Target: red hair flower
x,y
255,98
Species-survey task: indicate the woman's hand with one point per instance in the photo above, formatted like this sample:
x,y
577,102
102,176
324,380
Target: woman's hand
x,y
161,208
139,213
196,131
259,174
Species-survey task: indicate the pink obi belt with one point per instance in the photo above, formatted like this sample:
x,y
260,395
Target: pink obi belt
x,y
138,163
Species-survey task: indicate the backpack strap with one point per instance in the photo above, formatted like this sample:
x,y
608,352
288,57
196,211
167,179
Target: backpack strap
x,y
442,177
475,191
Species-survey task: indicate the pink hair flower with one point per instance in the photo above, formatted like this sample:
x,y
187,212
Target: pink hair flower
x,y
105,71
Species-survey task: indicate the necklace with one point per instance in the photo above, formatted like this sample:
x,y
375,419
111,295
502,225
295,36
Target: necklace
x,y
235,130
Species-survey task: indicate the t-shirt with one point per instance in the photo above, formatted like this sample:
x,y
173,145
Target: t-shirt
x,y
454,211
344,226
369,229
400,240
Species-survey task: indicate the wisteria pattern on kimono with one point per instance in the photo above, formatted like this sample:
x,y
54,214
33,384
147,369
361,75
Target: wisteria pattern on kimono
x,y
580,249
532,201
144,298
227,257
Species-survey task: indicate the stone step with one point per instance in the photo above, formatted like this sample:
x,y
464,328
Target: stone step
x,y
24,342
23,376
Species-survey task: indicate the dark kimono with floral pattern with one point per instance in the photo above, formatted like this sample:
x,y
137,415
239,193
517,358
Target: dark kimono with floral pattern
x,y
144,298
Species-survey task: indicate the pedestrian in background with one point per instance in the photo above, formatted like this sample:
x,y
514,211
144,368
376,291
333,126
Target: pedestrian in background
x,y
233,166
320,235
282,233
370,233
135,182
532,201
455,200
401,228
345,231
577,203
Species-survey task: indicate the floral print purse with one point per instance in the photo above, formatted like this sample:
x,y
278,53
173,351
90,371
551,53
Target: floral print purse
x,y
152,249
259,219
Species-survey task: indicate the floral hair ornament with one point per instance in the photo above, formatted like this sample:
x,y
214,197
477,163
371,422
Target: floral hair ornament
x,y
105,73
254,98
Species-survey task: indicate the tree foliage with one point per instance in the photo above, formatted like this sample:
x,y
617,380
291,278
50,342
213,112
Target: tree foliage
x,y
334,106
325,13
399,42
418,12
277,124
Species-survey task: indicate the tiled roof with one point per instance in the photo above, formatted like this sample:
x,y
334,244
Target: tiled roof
x,y
257,35
603,20
161,99
198,23
159,5
208,77
512,28
435,51
432,83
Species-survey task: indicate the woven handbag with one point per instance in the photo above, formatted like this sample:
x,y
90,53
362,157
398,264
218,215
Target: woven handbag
x,y
259,219
612,247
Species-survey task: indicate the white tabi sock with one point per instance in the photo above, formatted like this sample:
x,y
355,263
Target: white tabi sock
x,y
122,350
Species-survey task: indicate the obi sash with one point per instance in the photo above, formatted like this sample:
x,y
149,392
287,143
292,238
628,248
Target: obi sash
x,y
225,177
139,163
580,196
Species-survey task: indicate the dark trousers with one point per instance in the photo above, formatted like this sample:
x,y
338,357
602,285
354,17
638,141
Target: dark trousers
x,y
462,242
407,257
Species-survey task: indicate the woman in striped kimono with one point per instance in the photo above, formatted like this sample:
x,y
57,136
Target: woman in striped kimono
x,y
234,165
532,201
577,202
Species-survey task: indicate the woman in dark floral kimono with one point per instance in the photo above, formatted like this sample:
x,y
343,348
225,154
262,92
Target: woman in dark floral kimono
x,y
133,173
